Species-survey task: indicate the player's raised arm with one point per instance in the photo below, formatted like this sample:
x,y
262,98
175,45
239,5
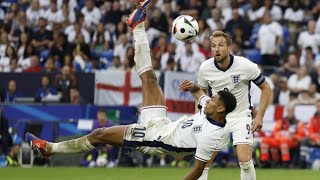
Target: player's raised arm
x,y
192,87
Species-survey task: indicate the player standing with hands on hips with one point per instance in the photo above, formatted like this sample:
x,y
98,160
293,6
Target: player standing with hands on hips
x,y
234,74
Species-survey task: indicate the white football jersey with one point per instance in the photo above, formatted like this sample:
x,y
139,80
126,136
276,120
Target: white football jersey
x,y
235,79
196,133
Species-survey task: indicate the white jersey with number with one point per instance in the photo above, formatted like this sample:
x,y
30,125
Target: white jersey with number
x,y
191,134
235,79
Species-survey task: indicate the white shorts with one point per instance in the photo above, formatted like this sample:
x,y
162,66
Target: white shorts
x,y
241,132
144,136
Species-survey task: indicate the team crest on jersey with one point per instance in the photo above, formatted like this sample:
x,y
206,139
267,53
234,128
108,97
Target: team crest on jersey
x,y
236,79
197,128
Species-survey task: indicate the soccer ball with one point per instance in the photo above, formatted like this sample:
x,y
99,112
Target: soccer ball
x,y
101,161
185,28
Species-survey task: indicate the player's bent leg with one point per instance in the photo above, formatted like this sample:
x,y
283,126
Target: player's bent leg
x,y
244,153
113,136
204,175
151,91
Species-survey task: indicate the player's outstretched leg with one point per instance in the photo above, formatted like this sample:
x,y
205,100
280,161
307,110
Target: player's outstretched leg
x,y
152,94
113,136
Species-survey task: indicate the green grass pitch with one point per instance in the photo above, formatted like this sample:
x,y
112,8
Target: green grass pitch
x,y
67,173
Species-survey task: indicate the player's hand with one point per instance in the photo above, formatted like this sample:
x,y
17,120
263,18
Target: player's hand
x,y
187,85
257,124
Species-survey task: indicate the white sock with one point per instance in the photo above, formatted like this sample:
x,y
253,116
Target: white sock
x,y
142,56
248,171
81,144
204,175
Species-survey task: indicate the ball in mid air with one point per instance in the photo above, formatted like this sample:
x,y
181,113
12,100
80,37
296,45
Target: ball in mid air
x,y
185,28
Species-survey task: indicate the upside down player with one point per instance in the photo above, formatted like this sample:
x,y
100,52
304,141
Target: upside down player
x,y
234,74
156,134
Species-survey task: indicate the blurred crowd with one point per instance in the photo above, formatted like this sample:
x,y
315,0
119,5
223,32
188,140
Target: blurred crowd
x,y
282,36
68,36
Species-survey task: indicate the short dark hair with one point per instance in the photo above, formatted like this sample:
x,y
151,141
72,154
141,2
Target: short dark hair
x,y
229,101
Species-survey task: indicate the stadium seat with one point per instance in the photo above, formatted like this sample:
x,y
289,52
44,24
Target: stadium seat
x,y
253,55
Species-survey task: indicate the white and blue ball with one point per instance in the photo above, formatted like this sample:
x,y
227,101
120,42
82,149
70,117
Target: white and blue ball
x,y
185,28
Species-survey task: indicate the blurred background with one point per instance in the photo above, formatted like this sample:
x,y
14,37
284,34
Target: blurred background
x,y
66,68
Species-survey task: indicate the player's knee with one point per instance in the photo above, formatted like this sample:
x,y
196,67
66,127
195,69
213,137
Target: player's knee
x,y
98,134
149,77
244,157
246,165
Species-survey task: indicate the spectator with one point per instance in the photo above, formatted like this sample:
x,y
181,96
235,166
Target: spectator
x,y
75,30
215,19
49,65
253,12
286,135
237,22
14,66
204,32
75,97
23,44
42,38
269,40
191,60
304,97
33,13
116,64
159,21
109,151
205,48
92,15
294,15
46,90
291,66
11,93
53,14
64,82
282,97
35,67
101,40
4,42
161,47
309,60
82,55
152,33
21,28
68,13
275,11
12,157
314,94
115,14
71,4
44,4
313,140
121,48
5,61
309,38
299,81
170,53
60,48
171,65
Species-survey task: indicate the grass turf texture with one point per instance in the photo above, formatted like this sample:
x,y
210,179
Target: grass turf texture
x,y
67,173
